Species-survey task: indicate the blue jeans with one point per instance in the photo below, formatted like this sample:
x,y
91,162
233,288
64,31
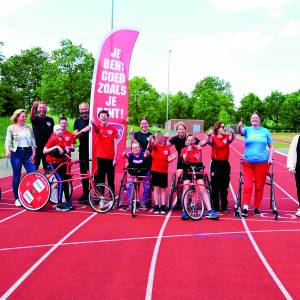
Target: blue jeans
x,y
17,159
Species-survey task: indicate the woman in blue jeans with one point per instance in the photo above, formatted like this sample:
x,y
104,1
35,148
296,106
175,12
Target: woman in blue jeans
x,y
20,147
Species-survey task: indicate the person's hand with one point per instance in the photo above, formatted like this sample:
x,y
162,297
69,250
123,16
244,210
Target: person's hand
x,y
292,170
270,161
61,151
32,159
131,131
189,148
7,153
124,154
35,104
210,132
93,122
231,130
86,128
114,162
240,123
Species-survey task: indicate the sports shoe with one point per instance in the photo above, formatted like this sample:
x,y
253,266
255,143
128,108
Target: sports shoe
x,y
62,207
211,214
245,212
163,210
69,205
18,203
297,214
156,209
256,211
184,215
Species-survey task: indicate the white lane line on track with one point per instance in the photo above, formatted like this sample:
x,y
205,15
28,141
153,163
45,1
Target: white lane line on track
x,y
200,235
261,256
12,216
150,281
37,263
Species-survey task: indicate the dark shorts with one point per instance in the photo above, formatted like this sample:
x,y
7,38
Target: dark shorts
x,y
159,179
186,169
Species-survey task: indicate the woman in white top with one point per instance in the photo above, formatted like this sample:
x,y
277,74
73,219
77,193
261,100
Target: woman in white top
x,y
293,164
20,147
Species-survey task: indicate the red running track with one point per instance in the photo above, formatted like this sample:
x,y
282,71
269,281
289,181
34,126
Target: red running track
x,y
83,255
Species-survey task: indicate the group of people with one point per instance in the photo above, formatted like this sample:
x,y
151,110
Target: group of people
x,y
53,144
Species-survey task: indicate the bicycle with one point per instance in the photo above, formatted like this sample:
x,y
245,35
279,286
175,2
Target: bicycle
x,y
238,199
35,189
193,202
133,198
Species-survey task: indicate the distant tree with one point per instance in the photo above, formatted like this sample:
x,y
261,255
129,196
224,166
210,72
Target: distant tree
x,y
143,101
24,72
249,104
10,100
273,106
180,106
290,111
67,78
1,55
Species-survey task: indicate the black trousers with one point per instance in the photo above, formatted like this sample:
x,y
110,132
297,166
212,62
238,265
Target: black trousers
x,y
297,177
84,167
40,156
106,168
220,177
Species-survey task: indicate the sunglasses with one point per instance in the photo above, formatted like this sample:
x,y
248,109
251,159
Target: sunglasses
x,y
223,127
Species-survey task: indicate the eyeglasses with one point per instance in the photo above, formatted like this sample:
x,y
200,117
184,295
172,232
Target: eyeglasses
x,y
222,126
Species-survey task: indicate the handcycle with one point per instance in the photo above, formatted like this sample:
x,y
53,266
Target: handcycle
x,y
137,179
238,199
177,183
35,189
193,202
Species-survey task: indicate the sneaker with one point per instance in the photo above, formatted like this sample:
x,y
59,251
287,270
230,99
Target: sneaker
x,y
18,203
156,209
184,215
62,207
163,210
211,214
297,214
256,211
69,205
245,212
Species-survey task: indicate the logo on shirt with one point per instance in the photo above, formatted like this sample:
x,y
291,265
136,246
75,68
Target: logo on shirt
x,y
109,132
48,124
120,130
166,152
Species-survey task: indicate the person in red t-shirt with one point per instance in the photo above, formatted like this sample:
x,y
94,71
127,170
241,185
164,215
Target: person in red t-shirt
x,y
220,167
55,150
67,136
193,154
161,156
106,149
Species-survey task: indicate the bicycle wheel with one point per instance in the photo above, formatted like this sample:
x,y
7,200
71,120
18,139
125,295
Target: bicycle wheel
x,y
207,186
54,188
193,204
172,191
34,191
238,200
122,191
101,198
272,199
133,201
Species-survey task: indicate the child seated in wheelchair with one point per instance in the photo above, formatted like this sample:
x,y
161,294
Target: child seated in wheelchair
x,y
192,155
55,151
137,159
161,157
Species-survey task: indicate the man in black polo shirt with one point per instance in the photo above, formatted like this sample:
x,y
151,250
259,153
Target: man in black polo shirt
x,y
42,127
81,131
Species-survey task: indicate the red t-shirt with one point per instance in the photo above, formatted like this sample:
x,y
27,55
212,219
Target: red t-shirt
x,y
68,138
55,141
104,145
193,156
160,158
220,147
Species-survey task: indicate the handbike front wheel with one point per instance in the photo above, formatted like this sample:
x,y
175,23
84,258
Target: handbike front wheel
x,y
101,198
193,204
34,191
172,191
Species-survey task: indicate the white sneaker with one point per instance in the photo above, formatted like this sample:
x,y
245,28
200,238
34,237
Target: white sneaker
x,y
18,203
297,214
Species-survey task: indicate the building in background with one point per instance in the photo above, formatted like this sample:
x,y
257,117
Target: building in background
x,y
192,126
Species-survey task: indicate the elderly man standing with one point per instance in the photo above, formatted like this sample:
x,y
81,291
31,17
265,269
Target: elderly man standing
x,y
81,132
42,127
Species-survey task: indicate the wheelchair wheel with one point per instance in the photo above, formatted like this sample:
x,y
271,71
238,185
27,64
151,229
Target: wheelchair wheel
x,y
172,191
193,204
133,201
34,191
54,188
238,200
101,198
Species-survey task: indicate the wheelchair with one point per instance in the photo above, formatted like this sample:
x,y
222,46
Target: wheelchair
x,y
269,182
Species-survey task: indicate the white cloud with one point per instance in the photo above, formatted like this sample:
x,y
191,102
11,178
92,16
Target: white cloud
x,y
273,8
290,29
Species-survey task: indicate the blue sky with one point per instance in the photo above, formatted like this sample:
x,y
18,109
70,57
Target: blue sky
x,y
253,44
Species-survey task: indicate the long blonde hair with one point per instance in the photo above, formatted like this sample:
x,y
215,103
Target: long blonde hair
x,y
16,115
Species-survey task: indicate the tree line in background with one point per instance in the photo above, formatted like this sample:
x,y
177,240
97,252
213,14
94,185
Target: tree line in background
x,y
64,79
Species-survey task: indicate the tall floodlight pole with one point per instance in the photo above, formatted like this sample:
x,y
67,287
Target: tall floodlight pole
x,y
168,92
112,14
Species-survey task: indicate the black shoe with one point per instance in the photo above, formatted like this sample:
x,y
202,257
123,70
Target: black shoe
x,y
163,210
69,205
256,211
156,209
245,212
